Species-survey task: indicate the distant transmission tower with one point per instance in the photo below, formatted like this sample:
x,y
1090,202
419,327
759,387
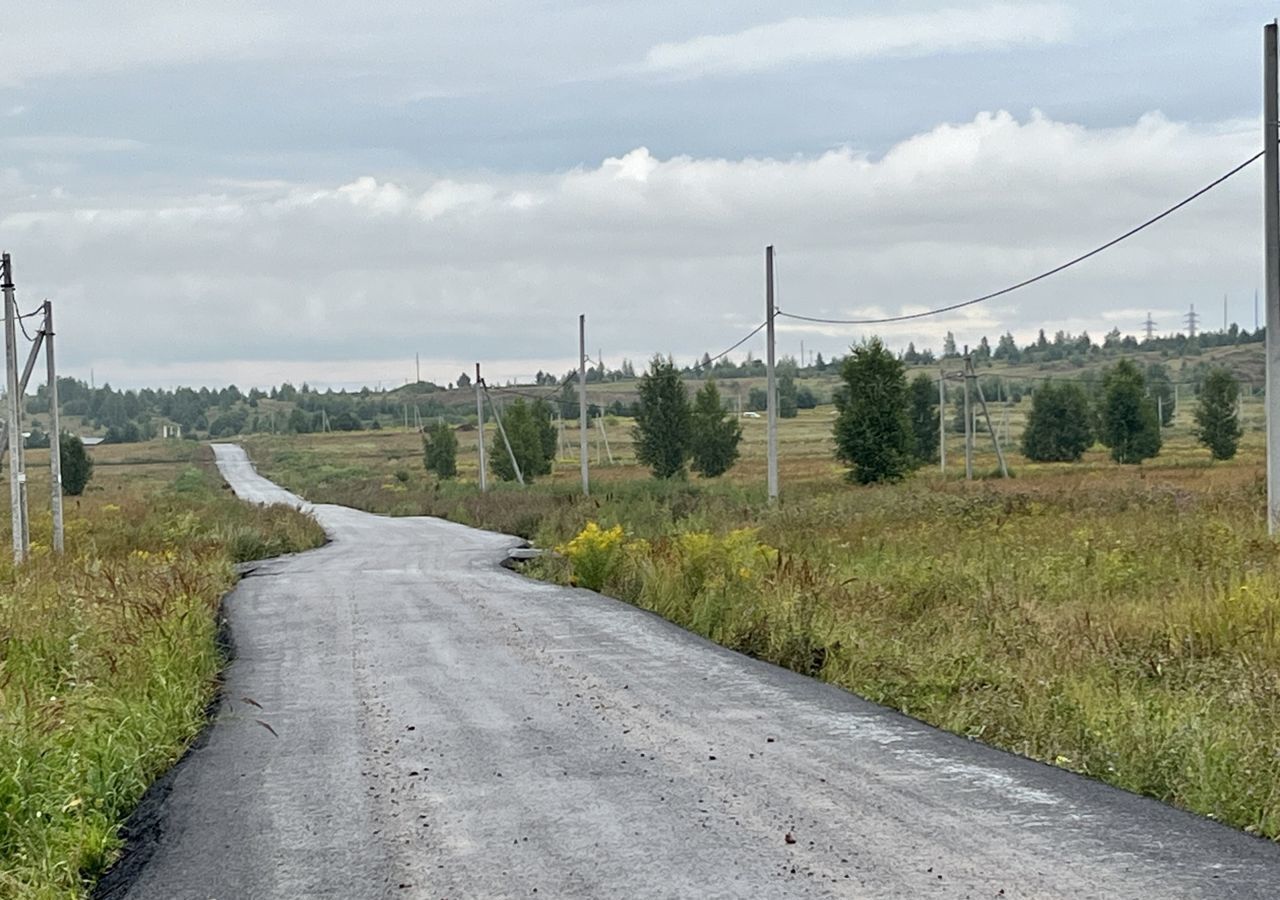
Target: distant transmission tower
x,y
1150,327
1193,319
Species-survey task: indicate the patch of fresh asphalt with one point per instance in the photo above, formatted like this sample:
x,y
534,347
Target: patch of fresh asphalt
x,y
442,727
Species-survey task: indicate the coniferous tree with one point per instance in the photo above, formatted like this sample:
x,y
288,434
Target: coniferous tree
x,y
924,417
527,429
77,467
1217,425
440,450
872,431
662,428
1058,425
714,434
1129,425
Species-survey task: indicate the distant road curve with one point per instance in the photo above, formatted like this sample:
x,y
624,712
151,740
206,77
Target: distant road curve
x,y
442,727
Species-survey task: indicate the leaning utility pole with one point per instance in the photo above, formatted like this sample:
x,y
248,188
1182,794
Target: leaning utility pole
x,y
14,426
484,483
582,405
772,382
1271,205
497,417
55,431
986,413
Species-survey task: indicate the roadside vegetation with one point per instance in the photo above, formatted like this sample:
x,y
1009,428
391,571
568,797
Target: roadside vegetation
x,y
109,654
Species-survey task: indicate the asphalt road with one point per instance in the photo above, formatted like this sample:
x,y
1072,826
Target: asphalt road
x,y
443,727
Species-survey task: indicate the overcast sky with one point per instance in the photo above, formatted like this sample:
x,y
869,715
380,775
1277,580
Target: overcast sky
x,y
229,191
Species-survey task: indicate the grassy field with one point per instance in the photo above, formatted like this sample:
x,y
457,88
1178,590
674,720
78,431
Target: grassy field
x,y
109,654
1118,621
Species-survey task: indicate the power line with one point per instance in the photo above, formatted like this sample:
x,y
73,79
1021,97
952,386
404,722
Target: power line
x,y
1043,275
19,319
723,353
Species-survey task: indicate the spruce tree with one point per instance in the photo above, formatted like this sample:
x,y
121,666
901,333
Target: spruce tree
x,y
1217,425
715,434
77,467
924,417
532,438
663,417
1129,425
1058,424
440,450
872,431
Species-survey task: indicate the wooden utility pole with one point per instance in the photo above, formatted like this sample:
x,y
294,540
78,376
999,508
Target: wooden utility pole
x,y
582,405
772,382
14,425
55,431
484,475
1271,206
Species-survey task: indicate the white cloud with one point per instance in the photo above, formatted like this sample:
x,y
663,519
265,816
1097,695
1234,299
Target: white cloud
x,y
664,255
859,37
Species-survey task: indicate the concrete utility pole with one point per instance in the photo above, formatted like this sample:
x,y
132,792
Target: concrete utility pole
x,y
604,433
772,381
484,475
968,418
55,431
14,426
942,420
582,405
1271,205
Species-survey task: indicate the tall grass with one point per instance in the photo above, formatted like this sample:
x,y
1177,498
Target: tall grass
x,y
108,660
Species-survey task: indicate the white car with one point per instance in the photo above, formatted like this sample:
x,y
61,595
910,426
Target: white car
x,y
750,415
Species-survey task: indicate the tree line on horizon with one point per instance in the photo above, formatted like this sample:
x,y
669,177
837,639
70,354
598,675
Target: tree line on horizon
x,y
886,425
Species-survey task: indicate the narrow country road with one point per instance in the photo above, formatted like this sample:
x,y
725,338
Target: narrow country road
x,y
442,727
